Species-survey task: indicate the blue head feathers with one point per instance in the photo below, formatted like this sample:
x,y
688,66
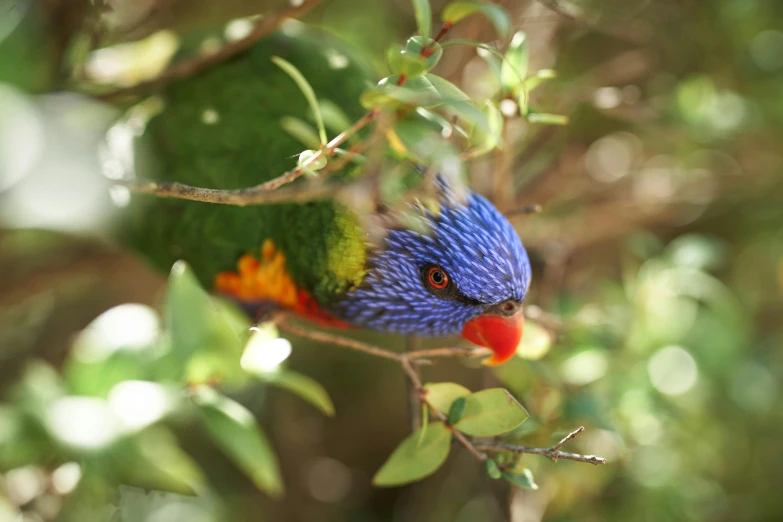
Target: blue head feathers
x,y
470,262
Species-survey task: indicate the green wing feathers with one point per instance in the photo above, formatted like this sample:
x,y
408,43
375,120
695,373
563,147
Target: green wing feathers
x,y
220,129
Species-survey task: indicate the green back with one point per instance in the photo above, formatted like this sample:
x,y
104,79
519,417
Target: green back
x,y
323,242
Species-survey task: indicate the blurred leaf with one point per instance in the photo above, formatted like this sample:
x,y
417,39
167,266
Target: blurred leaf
x,y
523,479
234,429
303,386
446,89
469,113
549,119
199,324
334,117
456,410
154,460
301,130
514,68
536,341
308,92
416,457
456,11
538,78
492,469
441,395
421,9
491,412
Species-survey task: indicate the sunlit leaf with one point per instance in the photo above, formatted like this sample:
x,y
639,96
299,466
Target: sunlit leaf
x,y
523,479
416,457
198,323
421,8
469,113
308,92
234,429
491,412
456,11
303,386
548,119
301,131
514,68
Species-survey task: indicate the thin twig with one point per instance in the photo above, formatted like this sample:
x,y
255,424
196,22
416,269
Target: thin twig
x,y
413,343
407,361
197,64
554,453
264,193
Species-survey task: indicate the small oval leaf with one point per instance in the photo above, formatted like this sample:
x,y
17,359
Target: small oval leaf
x,y
523,479
491,412
303,386
456,11
548,119
237,433
441,395
416,457
456,411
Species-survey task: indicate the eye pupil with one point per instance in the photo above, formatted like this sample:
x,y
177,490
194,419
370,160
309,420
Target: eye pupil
x,y
437,278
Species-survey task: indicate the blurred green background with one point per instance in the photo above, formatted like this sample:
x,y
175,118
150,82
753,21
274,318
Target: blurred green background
x,y
658,268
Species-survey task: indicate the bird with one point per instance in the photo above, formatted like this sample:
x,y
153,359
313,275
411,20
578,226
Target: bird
x,y
460,269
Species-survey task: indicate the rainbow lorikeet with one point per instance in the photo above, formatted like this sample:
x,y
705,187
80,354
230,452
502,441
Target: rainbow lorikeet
x,y
465,271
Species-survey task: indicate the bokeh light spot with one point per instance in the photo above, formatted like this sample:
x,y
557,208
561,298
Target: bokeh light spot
x,y
672,370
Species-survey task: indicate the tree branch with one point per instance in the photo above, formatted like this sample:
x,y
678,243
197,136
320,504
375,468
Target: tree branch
x,y
264,193
554,453
197,64
407,360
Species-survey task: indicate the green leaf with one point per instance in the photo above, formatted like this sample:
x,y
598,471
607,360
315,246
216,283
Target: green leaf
x,y
492,469
538,78
416,457
441,395
514,67
301,131
456,11
447,90
491,412
469,113
523,479
307,90
456,410
198,323
234,429
301,385
421,9
549,119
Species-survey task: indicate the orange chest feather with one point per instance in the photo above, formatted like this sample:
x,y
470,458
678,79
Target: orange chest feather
x,y
266,279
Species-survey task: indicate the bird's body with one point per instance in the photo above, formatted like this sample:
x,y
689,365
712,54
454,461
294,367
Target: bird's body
x,y
463,270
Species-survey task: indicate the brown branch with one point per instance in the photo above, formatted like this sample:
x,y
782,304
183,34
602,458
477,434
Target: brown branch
x,y
197,64
267,192
407,360
554,453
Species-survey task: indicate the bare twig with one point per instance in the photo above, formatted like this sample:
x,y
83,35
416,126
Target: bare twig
x,y
267,192
554,453
197,64
407,360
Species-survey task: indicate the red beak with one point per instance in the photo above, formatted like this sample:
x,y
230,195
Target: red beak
x,y
499,333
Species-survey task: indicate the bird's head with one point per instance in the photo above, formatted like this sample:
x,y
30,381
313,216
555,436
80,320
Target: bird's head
x,y
465,271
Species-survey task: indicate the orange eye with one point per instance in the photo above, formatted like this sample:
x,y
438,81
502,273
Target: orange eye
x,y
437,278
